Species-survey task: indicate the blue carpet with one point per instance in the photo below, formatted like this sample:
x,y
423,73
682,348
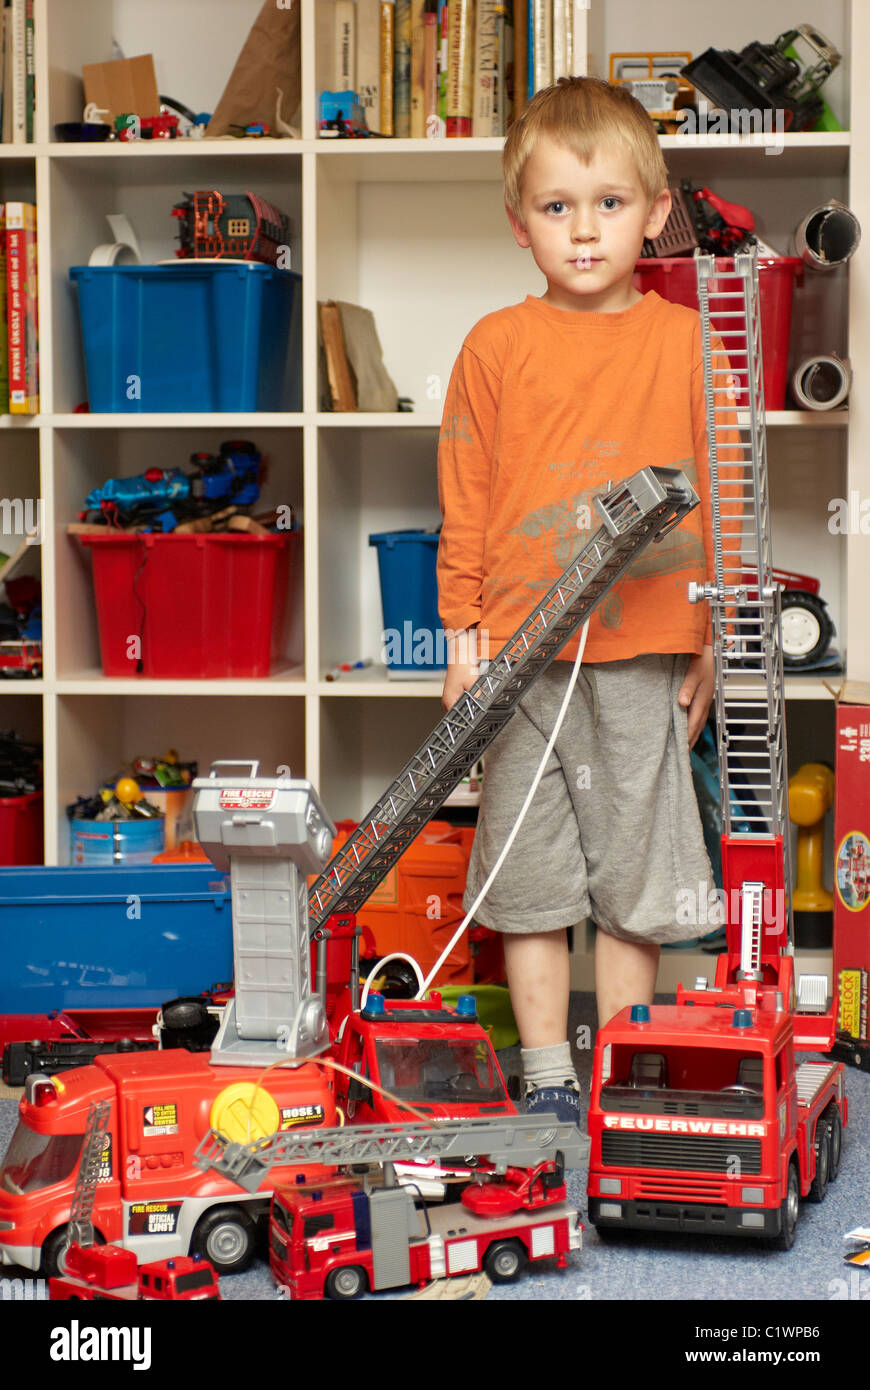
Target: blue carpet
x,y
651,1267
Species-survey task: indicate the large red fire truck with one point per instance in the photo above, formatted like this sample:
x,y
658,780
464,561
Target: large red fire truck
x,y
700,1117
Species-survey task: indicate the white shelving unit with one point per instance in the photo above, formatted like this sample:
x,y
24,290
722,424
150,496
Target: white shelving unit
x,y
414,230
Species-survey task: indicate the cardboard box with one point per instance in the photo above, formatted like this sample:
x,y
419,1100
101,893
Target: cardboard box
x,y
852,857
126,86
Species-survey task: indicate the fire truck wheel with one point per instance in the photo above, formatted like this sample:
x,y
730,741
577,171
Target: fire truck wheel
x,y
790,1210
835,1126
54,1251
819,1186
806,628
346,1283
505,1261
225,1236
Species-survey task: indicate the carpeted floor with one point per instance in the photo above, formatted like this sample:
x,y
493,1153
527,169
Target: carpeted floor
x,y
647,1267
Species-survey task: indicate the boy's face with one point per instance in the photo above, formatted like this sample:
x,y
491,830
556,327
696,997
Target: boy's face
x,y
585,224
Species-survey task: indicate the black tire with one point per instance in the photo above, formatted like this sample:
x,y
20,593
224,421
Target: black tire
x,y
226,1237
806,628
790,1210
835,1125
505,1261
819,1187
346,1283
54,1249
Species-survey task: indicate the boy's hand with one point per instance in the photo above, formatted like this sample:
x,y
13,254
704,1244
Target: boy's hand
x,y
696,692
463,666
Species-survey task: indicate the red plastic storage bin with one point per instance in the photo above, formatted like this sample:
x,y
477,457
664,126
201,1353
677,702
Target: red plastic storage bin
x,y
203,606
21,835
675,279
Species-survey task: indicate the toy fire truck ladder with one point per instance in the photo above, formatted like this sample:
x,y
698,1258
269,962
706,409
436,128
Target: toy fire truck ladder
x,y
521,1141
80,1229
745,604
637,511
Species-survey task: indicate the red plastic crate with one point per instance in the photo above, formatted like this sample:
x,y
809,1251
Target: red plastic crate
x,y
204,606
675,279
21,830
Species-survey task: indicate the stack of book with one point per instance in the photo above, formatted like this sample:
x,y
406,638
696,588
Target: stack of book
x,y
453,68
19,347
17,91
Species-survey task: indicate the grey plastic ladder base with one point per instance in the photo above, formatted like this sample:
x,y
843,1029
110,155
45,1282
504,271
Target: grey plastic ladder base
x,y
309,1036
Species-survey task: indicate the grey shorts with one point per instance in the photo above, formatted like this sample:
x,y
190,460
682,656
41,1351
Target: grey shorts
x,y
613,832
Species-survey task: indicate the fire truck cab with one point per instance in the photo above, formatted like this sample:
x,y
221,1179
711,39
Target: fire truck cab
x,y
699,1120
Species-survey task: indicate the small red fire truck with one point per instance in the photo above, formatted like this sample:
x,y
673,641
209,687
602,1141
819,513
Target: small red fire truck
x,y
108,1272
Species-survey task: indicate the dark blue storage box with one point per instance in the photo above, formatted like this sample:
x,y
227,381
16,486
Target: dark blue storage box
x,y
190,336
413,641
113,938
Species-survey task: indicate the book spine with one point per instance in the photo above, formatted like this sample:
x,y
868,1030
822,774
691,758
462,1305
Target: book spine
x,y
368,61
461,65
344,57
402,70
579,10
388,40
485,69
19,72
31,339
543,17
4,334
30,71
16,282
560,25
520,64
443,58
418,54
430,68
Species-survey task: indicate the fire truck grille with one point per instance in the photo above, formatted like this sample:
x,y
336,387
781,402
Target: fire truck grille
x,y
698,1153
676,1189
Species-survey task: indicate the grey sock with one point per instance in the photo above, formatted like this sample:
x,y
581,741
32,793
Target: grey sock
x,y
549,1066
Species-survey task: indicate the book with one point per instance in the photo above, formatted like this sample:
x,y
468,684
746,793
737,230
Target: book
x,y
344,47
504,76
520,64
460,58
402,70
387,47
485,119
21,301
368,61
542,15
19,72
4,337
561,21
430,67
443,63
29,72
579,42
341,385
418,57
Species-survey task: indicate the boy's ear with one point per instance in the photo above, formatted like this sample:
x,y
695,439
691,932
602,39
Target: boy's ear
x,y
660,211
520,234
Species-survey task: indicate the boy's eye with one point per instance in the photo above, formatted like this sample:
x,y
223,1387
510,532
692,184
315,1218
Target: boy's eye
x,y
614,201
557,206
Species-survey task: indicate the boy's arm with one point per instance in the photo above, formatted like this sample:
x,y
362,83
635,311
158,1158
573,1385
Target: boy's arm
x,y
465,449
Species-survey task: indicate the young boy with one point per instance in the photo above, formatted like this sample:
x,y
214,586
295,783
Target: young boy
x,y
548,400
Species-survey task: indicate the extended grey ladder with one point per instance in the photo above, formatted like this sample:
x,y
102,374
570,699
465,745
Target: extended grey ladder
x,y
637,511
522,1141
80,1227
745,602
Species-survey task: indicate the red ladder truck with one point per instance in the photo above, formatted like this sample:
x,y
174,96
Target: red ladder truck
x,y
700,1119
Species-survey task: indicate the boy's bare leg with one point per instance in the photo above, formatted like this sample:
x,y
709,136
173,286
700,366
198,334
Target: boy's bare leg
x,y
538,970
625,973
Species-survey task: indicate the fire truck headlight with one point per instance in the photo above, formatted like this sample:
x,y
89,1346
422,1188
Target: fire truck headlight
x,y
611,1209
611,1186
752,1194
752,1219
7,1225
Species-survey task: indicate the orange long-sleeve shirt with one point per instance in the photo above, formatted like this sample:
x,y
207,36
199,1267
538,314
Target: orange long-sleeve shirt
x,y
544,407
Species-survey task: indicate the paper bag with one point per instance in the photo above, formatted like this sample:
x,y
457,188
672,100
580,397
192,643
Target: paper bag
x,y
270,61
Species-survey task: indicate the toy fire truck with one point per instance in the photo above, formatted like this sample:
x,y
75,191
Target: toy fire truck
x,y
272,833
700,1119
342,1237
240,226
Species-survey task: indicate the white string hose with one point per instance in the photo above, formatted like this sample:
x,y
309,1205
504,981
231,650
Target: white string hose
x,y
575,671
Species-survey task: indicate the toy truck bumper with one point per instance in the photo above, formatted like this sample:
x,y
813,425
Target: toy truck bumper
x,y
708,1218
27,1256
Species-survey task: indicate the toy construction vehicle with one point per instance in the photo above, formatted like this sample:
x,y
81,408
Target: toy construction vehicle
x,y
655,80
770,77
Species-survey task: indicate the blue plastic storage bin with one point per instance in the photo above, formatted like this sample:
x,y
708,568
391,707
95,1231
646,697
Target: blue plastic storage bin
x,y
107,842
413,638
189,336
111,938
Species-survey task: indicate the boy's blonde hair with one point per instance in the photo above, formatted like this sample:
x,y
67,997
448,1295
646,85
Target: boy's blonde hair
x,y
584,113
